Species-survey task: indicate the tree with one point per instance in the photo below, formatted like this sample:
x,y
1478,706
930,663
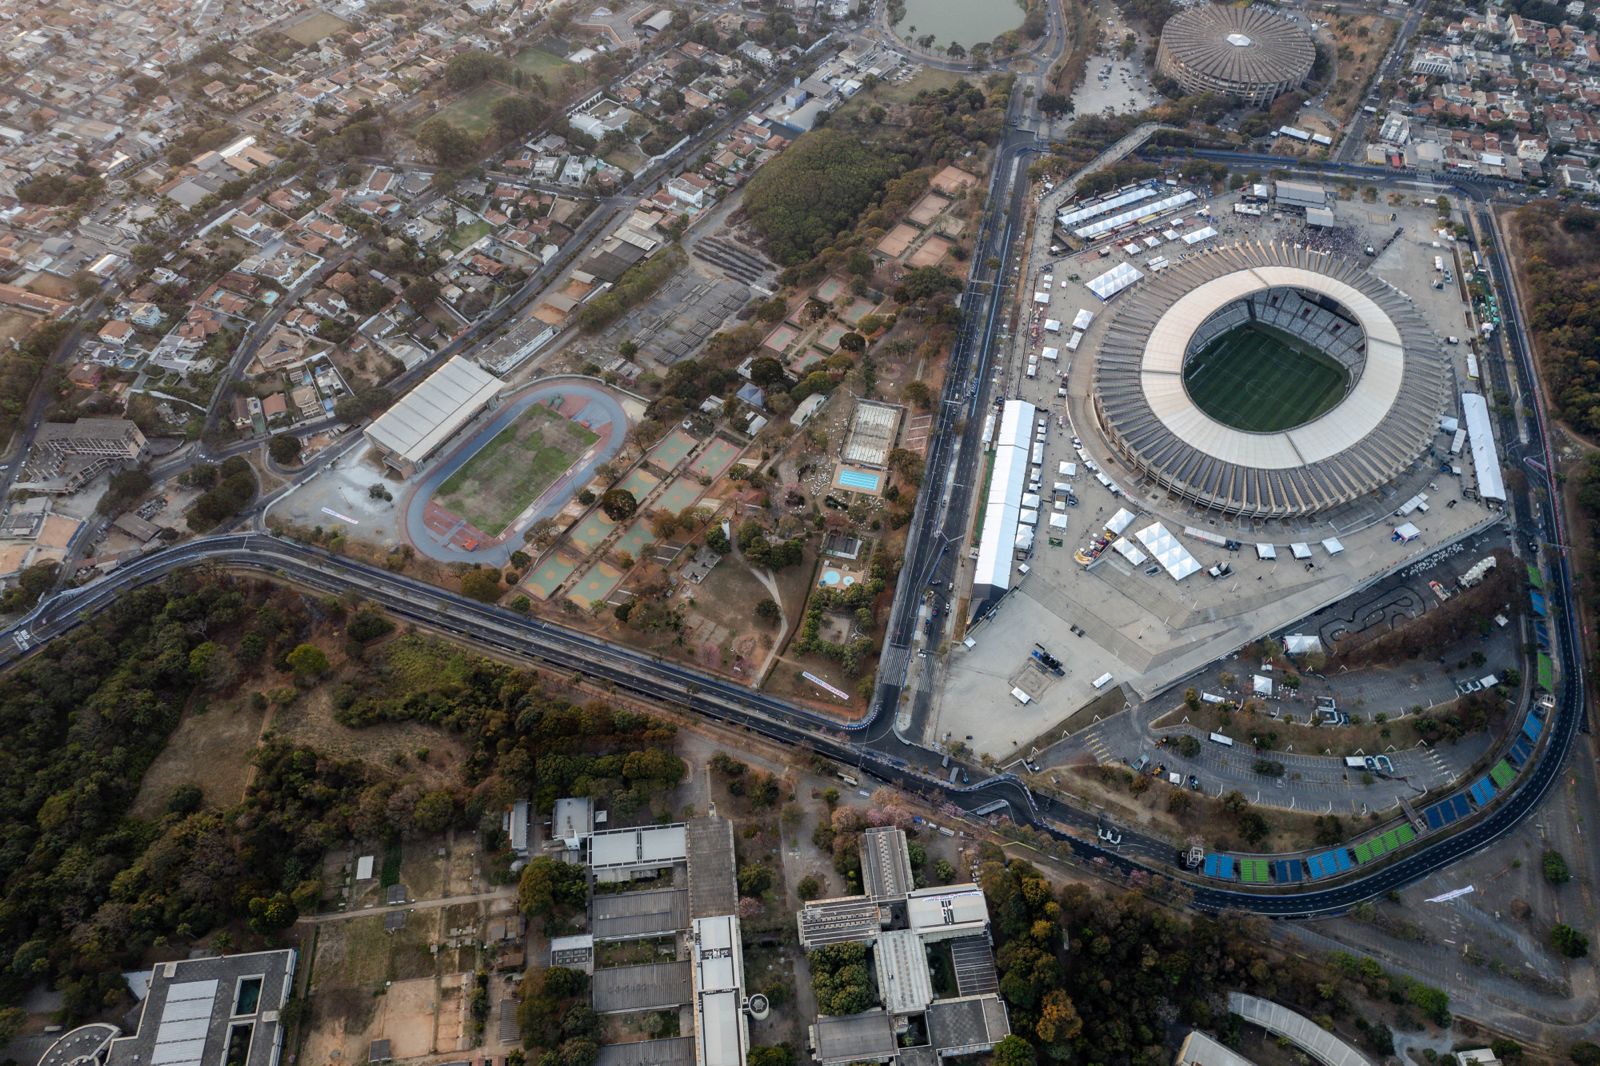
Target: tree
x,y
12,1019
550,889
781,1055
813,191
284,449
482,584
618,504
853,342
809,888
421,292
518,116
754,879
1014,1051
1568,941
308,661
1555,868
270,913
766,372
944,871
434,811
918,393
767,610
445,144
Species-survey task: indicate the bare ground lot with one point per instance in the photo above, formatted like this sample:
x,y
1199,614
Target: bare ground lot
x,y
211,749
314,27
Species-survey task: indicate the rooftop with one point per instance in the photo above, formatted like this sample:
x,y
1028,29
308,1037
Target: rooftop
x,y
202,1010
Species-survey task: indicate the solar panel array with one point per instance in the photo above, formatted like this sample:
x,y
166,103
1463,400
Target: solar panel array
x,y
185,1020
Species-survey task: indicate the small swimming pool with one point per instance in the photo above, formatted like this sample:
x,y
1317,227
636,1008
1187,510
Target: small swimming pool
x,y
832,578
859,479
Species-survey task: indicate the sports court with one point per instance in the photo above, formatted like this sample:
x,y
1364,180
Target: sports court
x,y
673,449
1261,380
636,539
544,579
780,339
594,586
715,460
858,310
829,339
594,528
676,496
639,482
831,289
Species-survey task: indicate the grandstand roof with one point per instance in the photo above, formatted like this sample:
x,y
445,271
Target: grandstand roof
x,y
430,414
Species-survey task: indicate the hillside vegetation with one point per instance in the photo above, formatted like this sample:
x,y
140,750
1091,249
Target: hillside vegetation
x,y
1561,272
804,198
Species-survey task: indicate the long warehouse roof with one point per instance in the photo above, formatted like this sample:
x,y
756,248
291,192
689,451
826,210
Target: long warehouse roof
x,y
431,413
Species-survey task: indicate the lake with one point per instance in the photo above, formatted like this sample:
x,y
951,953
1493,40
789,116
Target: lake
x,y
967,22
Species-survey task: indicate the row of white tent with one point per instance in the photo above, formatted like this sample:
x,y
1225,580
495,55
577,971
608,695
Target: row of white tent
x,y
1299,549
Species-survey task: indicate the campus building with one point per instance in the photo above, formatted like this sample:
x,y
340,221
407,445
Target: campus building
x,y
899,924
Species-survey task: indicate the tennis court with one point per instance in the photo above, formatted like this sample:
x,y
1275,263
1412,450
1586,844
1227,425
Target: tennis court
x,y
594,586
711,463
636,539
588,533
673,449
831,289
548,575
675,497
1262,380
639,482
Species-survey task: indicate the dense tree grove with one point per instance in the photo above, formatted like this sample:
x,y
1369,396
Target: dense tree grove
x,y
804,198
1135,969
88,890
1562,268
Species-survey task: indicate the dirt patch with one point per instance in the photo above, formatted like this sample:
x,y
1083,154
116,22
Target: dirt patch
x,y
309,721
210,749
1361,43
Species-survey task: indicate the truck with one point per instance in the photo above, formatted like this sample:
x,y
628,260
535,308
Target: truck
x,y
1221,738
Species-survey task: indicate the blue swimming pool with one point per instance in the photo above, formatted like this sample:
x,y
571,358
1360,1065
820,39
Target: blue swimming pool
x,y
859,479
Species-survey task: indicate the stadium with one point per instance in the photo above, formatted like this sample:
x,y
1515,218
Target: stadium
x,y
1251,54
1269,381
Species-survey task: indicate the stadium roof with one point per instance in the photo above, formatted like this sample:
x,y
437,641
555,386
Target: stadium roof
x,y
1385,421
1236,48
430,414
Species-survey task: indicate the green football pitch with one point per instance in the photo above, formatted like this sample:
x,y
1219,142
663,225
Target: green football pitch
x,y
510,471
1261,380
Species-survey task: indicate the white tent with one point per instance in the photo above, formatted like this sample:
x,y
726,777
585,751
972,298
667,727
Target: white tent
x,y
1266,551
1173,557
1301,643
1114,280
1332,546
1261,686
1058,521
1119,521
1028,518
1082,319
1301,550
1053,325
1124,547
1405,531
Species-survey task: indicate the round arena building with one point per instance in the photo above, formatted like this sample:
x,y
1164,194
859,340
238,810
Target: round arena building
x,y
1252,54
1270,381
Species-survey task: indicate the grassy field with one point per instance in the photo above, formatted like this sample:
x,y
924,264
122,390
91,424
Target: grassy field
x,y
471,112
512,470
462,236
1261,380
533,61
314,27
